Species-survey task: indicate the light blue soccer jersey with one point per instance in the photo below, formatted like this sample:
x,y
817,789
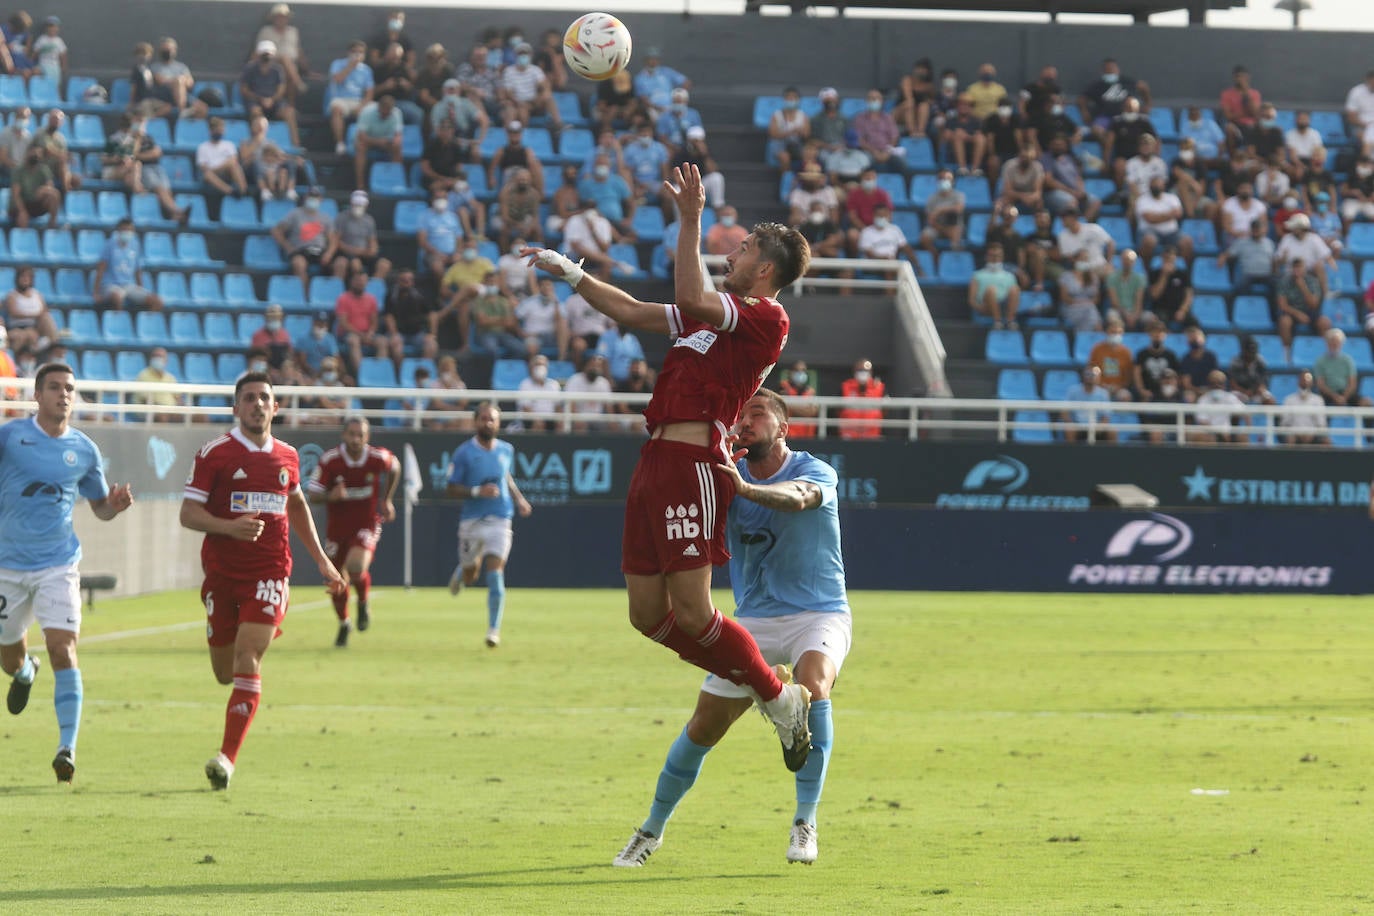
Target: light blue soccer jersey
x,y
472,466
787,562
41,478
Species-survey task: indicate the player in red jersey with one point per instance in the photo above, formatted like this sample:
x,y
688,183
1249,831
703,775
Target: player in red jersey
x,y
244,493
348,480
725,344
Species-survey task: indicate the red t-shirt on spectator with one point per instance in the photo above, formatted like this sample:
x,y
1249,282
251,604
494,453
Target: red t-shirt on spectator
x,y
1233,105
355,313
862,203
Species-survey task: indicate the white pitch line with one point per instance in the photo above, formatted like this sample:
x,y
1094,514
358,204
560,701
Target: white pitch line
x,y
186,625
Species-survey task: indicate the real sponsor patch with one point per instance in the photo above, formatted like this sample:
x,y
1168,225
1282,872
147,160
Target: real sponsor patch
x,y
251,501
700,341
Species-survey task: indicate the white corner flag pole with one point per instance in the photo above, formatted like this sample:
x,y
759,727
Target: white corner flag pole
x,y
413,484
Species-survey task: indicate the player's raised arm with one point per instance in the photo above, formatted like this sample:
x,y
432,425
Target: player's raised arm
x,y
605,298
694,298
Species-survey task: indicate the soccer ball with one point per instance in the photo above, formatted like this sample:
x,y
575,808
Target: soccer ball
x,y
597,46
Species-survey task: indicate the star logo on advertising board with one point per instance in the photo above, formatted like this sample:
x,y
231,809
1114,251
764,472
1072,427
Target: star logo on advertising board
x,y
1199,485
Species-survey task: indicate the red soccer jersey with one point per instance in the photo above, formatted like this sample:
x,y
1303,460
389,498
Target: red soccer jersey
x,y
710,372
362,482
231,476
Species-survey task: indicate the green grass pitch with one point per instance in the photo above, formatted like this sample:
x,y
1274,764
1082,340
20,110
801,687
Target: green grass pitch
x,y
994,754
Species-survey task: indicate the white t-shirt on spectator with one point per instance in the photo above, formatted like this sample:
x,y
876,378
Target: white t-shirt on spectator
x,y
515,270
1140,172
1303,410
1271,184
522,84
1236,218
580,384
1312,250
537,315
1303,142
801,199
588,229
1216,396
212,154
1090,237
881,243
1167,202
1360,100
529,386
583,320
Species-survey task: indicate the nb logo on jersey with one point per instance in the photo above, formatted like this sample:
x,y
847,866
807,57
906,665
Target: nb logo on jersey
x,y
681,523
272,592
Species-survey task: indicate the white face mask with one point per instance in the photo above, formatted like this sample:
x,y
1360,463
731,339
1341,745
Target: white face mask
x,y
868,184
312,203
440,204
863,376
257,367
946,184
816,217
272,324
1186,155
329,376
1168,390
539,373
880,222
1057,109
1004,111
358,209
602,171
158,363
1114,338
1129,116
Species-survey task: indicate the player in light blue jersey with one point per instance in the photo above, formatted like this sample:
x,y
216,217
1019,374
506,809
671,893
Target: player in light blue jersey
x,y
479,474
45,467
787,573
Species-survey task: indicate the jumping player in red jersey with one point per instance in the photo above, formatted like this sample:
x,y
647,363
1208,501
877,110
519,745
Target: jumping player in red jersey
x,y
244,492
725,345
348,480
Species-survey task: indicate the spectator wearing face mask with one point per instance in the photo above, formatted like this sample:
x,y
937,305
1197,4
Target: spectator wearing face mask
x,y
1298,302
1163,426
812,188
647,161
356,245
265,84
1303,420
218,162
861,205
1171,291
993,291
591,380
1023,181
1189,177
541,320
1035,99
726,235
1327,225
1080,296
610,193
944,104
796,383
306,236
862,422
1196,363
1088,389
916,90
1238,212
119,272
438,232
357,318
494,329
330,377
273,338
156,373
1105,97
985,92
314,346
525,90
944,214
1112,358
533,385
884,240
671,126
1213,425
1007,134
962,138
1266,137
1124,291
878,134
1253,255
15,138
1209,141
467,272
655,83
1158,216
619,347
1249,373
1357,191
788,129
518,210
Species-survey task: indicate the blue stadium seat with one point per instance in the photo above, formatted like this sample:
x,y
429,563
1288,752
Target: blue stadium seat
x,y
90,245
286,291
407,217
261,252
1210,311
648,224
128,364
764,108
1016,385
507,374
192,251
1360,351
88,133
84,325
1359,242
248,325
1331,125
1019,434
1341,278
955,268
80,208
1163,120
570,109
158,250
117,328
895,186
69,288
538,139
1344,313
408,367
1307,349
42,281
388,179
58,245
376,372
1345,432
1203,234
205,292
199,369
147,212
25,247
1006,347
13,91
413,143
1283,384
1251,313
1209,278
1083,343
658,263
922,186
111,207
909,221
171,286
1057,383
1271,348
185,330
560,370
240,213
190,134
159,130
976,195
151,329
98,366
229,366
298,326
220,331
325,291
920,154
1119,228
76,93
238,290
181,173
575,144
624,253
1225,346
1050,348
200,217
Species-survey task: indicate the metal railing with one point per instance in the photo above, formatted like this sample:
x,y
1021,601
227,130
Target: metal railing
x,y
901,418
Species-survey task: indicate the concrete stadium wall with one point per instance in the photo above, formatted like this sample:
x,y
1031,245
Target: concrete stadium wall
x,y
723,52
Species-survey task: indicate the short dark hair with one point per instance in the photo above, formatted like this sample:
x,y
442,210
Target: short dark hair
x,y
249,378
483,405
48,369
786,249
777,405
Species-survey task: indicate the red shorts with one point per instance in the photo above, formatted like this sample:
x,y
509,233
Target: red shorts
x,y
675,510
338,544
230,602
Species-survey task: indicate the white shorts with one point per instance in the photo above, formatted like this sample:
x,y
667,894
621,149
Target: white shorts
x,y
349,107
784,640
51,596
483,537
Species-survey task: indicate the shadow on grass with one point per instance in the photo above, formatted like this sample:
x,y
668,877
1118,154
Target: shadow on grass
x,y
519,877
48,788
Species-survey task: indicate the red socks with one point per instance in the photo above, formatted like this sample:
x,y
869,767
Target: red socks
x,y
340,606
243,705
725,649
363,583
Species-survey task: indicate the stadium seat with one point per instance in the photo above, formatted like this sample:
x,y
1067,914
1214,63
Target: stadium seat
x,y
1016,385
920,154
408,367
1210,312
158,250
1209,278
1271,348
298,326
1331,125
1345,432
261,252
117,328
1083,343
192,251
1359,242
658,263
199,369
200,217
1163,120
1360,351
181,173
25,247
765,106
1018,434
955,268
205,290
286,291
83,326
1006,347
376,372
76,93
895,186
1307,350
248,325
275,210
220,331
88,133
647,223
238,289
146,212
277,131
1119,228
97,365
1251,313
388,179
407,216
1344,313
976,195
185,330
1050,348
1341,278
575,144
240,213
229,366
111,207
90,245
976,229
1225,346
909,221
151,329
128,364
570,109
325,291
159,130
190,134
623,253
507,374
69,288
59,246
13,91
80,208
560,370
171,286
1283,384
1057,383
1203,234
42,281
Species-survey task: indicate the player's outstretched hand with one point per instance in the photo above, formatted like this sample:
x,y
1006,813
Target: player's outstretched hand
x,y
121,497
388,511
685,189
334,580
729,470
246,527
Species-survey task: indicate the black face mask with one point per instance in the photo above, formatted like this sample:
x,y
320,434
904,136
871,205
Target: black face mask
x,y
166,55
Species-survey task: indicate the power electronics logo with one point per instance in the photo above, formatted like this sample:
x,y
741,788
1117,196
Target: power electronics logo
x,y
1141,554
995,484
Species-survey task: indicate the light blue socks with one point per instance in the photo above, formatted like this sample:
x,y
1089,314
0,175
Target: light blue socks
x,y
680,771
496,597
811,777
66,699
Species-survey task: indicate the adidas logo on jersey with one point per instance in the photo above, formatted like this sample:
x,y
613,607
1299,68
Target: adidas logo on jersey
x,y
240,474
240,709
691,551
